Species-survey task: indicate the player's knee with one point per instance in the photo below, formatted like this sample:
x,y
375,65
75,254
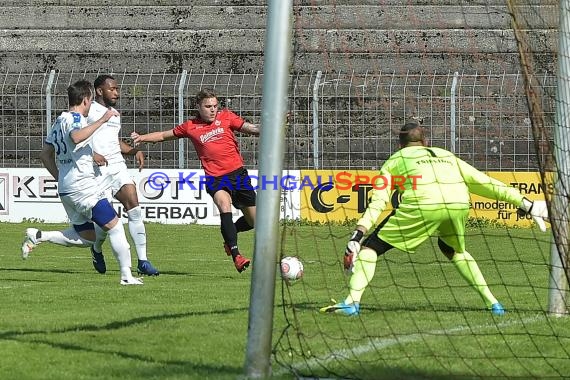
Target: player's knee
x,y
223,201
224,208
104,214
127,195
224,205
368,254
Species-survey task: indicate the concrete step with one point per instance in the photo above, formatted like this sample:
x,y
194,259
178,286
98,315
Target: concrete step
x,y
239,63
215,17
251,40
242,50
296,3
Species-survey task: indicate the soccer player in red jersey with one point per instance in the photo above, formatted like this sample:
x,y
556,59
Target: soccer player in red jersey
x,y
212,134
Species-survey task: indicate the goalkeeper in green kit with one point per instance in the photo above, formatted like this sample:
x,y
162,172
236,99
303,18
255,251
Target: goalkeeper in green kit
x,y
434,198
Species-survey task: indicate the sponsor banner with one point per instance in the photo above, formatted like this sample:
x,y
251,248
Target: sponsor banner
x,y
333,195
340,195
172,196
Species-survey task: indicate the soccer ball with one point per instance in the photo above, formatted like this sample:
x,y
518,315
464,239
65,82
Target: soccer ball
x,y
291,268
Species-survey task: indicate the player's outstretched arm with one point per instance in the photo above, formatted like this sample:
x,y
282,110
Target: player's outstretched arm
x,y
130,151
481,184
249,129
153,137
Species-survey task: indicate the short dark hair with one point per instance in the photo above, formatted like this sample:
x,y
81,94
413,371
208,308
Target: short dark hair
x,y
412,131
205,94
101,79
78,91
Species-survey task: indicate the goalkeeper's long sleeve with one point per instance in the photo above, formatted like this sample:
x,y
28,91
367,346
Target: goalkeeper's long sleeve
x,y
377,204
481,184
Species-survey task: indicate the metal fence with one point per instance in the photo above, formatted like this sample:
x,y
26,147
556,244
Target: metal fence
x,y
337,120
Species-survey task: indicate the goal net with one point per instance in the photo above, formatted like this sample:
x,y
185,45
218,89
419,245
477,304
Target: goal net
x,y
461,68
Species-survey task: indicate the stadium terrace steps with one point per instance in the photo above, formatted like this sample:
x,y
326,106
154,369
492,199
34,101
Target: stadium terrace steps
x,y
214,17
221,3
229,35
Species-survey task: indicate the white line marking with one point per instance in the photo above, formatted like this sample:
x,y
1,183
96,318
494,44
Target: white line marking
x,y
378,344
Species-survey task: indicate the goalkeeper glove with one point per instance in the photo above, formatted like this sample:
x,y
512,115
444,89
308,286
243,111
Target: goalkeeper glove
x,y
537,210
352,249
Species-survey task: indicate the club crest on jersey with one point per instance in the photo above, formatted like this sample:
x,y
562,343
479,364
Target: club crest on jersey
x,y
211,135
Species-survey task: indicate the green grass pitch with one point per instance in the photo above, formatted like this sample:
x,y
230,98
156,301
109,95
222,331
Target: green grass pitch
x,y
62,320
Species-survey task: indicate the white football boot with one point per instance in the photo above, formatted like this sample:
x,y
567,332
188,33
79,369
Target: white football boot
x,y
30,241
131,281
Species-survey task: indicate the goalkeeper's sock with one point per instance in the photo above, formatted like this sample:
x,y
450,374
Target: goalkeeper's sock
x,y
242,225
229,232
363,271
137,231
467,266
68,238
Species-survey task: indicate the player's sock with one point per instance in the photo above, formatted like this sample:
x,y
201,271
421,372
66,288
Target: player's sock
x,y
467,266
101,235
121,248
229,232
242,225
364,268
68,238
137,231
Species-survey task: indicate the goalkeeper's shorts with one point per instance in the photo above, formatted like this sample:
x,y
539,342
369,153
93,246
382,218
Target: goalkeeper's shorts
x,y
408,227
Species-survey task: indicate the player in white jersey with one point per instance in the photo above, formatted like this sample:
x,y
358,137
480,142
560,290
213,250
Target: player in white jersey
x,y
108,152
68,157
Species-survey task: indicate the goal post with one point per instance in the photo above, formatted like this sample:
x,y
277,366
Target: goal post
x,y
272,148
552,147
558,287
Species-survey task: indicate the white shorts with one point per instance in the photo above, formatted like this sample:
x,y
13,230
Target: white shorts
x,y
113,177
79,205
